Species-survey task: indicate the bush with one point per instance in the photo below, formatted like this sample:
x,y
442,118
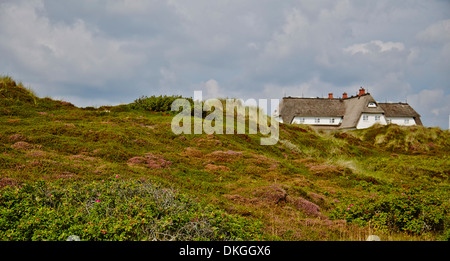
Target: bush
x,y
113,210
412,211
155,103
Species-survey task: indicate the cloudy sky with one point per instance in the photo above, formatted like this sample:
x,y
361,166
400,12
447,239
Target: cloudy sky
x,y
97,52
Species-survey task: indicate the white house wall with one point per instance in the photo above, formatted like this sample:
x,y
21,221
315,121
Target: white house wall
x,y
365,121
368,119
404,121
322,120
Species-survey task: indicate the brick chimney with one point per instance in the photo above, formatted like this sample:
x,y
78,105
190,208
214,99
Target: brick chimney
x,y
344,95
330,95
361,91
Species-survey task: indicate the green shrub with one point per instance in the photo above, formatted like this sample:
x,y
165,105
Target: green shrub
x,y
113,209
155,103
412,211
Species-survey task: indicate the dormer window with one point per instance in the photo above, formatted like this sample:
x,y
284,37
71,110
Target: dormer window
x,y
372,104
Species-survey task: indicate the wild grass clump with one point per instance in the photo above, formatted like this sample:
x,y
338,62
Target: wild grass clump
x,y
10,90
113,209
410,139
16,99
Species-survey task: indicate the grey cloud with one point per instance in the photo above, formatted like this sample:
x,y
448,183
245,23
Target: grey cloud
x,y
247,49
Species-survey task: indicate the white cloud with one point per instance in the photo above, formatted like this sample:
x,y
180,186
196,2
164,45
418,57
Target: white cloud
x,y
374,47
428,98
433,105
210,89
436,33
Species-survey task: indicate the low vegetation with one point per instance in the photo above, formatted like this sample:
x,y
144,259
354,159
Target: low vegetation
x,y
113,209
119,173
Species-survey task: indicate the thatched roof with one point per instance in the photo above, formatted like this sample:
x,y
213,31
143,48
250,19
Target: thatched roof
x,y
308,107
400,110
349,108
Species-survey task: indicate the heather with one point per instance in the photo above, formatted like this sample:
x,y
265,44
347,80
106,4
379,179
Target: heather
x,y
113,209
120,173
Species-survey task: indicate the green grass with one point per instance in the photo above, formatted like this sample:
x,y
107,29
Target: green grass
x,y
220,187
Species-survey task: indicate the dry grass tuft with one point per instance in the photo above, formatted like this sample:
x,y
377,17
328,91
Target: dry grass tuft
x,y
151,160
216,168
23,145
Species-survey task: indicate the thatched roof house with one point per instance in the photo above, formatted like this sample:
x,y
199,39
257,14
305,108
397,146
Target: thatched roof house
x,y
345,113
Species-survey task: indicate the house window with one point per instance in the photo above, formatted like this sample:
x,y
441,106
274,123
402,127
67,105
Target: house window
x,y
372,104
365,117
389,121
377,117
332,120
406,121
302,120
317,120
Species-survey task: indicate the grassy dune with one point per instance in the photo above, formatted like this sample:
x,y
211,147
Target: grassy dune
x,y
119,173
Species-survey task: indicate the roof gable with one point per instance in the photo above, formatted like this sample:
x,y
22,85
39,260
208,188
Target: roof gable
x,y
354,106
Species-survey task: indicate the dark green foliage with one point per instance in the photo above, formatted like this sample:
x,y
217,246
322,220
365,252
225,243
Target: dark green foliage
x,y
113,209
156,103
409,210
